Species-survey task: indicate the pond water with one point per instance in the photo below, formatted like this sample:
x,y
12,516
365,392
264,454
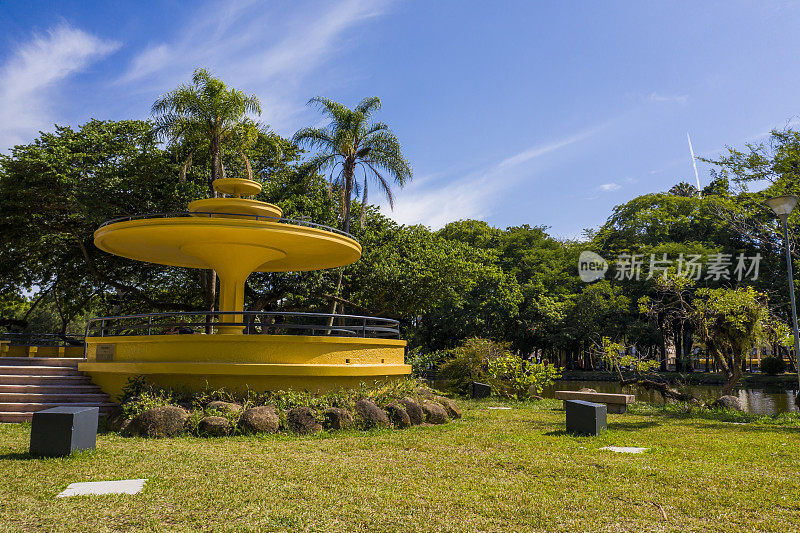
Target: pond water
x,y
765,401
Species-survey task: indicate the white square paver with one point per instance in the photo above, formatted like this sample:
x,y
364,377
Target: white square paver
x,y
123,486
624,449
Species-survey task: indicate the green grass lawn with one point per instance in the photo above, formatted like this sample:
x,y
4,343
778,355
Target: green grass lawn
x,y
493,470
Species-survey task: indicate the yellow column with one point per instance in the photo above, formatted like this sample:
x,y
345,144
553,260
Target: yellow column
x,y
232,262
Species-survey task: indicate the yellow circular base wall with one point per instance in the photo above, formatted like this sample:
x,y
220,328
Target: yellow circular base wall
x,y
242,362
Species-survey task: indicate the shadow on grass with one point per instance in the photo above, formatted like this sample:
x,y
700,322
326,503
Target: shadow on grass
x,y
632,426
616,426
788,421
25,456
752,428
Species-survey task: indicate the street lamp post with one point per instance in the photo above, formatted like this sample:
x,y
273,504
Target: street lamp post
x,y
783,206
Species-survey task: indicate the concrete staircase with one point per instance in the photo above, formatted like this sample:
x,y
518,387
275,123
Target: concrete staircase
x,y
30,384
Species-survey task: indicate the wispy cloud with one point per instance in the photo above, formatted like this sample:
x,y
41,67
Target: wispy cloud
x,y
435,202
30,77
241,42
668,98
609,187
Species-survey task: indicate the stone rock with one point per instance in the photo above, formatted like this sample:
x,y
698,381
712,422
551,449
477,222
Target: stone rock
x,y
336,418
214,426
398,415
370,415
413,410
728,402
586,389
302,420
224,407
164,421
261,419
453,411
434,413
115,421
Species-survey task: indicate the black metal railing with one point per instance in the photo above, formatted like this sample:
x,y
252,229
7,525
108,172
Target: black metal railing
x,y
210,214
42,339
249,322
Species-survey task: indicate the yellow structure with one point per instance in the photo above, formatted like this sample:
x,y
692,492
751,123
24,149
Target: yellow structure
x,y
235,236
15,350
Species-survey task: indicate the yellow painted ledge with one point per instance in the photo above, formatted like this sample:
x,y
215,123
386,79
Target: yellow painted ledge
x,y
244,369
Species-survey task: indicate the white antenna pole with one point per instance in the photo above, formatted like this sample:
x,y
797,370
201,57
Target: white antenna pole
x,y
694,164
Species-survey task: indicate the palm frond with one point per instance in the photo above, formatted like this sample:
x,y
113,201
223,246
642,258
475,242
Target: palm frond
x,y
336,111
351,140
368,105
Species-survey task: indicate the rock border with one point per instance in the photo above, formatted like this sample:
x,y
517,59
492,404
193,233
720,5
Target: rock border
x,y
220,419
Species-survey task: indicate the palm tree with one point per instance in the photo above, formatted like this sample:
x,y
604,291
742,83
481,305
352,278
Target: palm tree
x,y
208,115
350,141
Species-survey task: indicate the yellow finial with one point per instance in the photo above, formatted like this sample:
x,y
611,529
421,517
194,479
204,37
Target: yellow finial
x,y
237,186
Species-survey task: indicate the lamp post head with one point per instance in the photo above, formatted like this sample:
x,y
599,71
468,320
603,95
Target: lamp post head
x,y
782,205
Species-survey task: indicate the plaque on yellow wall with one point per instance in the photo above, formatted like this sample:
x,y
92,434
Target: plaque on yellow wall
x,y
105,352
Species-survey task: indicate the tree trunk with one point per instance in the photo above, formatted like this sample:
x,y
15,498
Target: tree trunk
x,y
663,363
733,379
347,174
211,275
687,352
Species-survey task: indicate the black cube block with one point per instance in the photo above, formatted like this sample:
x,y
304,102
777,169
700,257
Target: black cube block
x,y
585,418
63,430
479,390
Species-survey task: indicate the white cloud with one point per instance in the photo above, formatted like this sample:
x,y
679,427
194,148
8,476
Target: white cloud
x,y
668,98
30,77
435,202
253,48
608,187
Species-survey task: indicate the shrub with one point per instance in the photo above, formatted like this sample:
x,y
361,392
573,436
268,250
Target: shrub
x,y
514,377
470,362
425,363
773,365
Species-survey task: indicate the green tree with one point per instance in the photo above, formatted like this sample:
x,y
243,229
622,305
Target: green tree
x,y
207,115
350,141
729,324
57,190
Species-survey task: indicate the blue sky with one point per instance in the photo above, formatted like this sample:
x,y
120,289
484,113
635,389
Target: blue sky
x,y
542,113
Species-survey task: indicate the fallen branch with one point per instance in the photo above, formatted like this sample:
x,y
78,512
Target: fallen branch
x,y
665,390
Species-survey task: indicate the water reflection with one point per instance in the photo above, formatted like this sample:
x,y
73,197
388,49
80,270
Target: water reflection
x,y
766,401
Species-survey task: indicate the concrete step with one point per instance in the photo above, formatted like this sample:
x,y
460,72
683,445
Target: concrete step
x,y
41,361
11,407
29,397
38,370
16,417
33,379
12,418
48,389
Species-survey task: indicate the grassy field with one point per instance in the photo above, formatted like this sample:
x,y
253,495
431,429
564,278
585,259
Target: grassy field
x,y
493,470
